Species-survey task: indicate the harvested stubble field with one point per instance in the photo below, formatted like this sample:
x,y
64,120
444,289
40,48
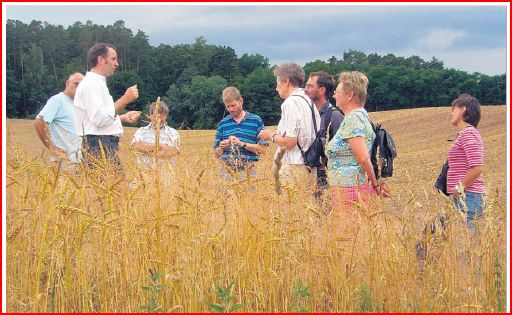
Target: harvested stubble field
x,y
89,243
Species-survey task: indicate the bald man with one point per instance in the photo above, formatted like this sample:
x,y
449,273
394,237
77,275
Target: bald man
x,y
58,114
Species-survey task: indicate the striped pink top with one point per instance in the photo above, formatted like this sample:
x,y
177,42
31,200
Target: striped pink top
x,y
466,152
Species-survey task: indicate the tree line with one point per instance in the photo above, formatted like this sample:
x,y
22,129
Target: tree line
x,y
191,77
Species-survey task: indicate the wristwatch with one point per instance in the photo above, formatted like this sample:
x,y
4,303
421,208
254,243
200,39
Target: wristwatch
x,y
244,145
272,138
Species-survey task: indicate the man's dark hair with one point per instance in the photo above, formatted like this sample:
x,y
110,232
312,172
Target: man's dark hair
x,y
99,49
472,105
324,80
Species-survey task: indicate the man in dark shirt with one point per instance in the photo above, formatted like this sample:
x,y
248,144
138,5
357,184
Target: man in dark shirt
x,y
319,88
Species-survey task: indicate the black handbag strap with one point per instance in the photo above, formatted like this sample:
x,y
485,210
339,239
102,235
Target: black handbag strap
x,y
370,121
312,115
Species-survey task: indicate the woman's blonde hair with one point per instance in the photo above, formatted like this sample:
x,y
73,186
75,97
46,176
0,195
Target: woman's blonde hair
x,y
356,82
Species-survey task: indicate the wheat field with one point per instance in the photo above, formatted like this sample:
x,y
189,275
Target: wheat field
x,y
185,241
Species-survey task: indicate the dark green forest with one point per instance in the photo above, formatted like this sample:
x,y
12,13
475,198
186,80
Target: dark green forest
x,y
191,77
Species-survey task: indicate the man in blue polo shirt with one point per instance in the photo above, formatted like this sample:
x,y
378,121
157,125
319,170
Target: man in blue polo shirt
x,y
236,141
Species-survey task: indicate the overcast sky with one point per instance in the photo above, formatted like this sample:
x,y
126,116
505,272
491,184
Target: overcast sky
x,y
469,37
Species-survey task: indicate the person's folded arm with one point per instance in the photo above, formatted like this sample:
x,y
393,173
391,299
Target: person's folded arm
x,y
144,147
168,150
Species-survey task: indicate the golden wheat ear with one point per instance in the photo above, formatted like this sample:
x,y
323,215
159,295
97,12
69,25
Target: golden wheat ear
x,y
276,166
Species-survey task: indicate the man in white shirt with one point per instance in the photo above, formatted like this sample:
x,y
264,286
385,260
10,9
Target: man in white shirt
x,y
97,117
295,127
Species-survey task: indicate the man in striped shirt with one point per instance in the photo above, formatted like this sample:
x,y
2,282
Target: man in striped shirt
x,y
236,141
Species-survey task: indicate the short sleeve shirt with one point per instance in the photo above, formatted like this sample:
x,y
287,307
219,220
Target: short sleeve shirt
x,y
297,121
342,167
58,113
167,135
246,130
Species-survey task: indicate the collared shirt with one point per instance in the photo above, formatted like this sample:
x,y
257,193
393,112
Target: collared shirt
x,y
95,112
247,131
297,121
167,136
335,119
59,114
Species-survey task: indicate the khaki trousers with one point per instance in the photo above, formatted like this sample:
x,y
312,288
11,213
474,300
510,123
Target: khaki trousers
x,y
299,176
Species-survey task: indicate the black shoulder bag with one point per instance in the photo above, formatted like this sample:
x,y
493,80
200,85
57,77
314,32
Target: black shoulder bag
x,y
314,156
440,183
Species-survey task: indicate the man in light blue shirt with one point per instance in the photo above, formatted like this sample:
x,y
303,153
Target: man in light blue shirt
x,y
58,113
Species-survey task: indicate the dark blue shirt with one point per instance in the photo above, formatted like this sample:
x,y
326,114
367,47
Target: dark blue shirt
x,y
247,131
335,120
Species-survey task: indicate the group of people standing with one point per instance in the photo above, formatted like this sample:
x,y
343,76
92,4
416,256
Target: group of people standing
x,y
85,121
86,116
347,135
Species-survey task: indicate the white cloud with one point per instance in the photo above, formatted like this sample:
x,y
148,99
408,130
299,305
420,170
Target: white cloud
x,y
438,40
488,61
444,44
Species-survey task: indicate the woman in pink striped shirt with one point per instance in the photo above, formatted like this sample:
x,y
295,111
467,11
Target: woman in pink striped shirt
x,y
466,159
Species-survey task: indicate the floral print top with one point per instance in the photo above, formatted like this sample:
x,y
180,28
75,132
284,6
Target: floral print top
x,y
342,167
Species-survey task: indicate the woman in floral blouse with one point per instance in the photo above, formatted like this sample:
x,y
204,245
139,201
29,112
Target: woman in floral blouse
x,y
350,170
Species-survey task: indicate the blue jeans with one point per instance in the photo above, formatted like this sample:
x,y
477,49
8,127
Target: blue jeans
x,y
110,145
472,206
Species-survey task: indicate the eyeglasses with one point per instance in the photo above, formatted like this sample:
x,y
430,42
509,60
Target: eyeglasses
x,y
309,85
